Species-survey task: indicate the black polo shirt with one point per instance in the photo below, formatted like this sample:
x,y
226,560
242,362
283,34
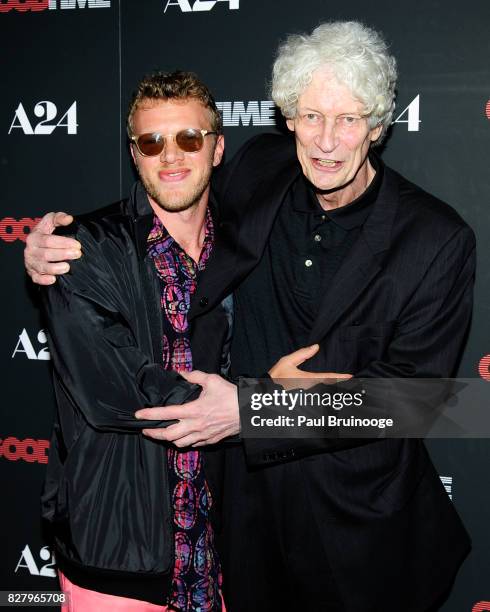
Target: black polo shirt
x,y
276,305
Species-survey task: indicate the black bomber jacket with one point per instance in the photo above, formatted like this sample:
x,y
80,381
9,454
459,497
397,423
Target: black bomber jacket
x,y
106,495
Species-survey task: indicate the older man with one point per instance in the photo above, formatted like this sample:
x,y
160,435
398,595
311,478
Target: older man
x,y
337,249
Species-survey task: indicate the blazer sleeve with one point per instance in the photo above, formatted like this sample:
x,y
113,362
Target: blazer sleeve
x,y
97,361
427,342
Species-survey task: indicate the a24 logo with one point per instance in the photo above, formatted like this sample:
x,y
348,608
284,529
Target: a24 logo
x,y
196,6
28,562
47,112
25,346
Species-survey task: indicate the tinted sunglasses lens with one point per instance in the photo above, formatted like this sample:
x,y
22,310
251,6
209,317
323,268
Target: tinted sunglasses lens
x,y
151,144
189,140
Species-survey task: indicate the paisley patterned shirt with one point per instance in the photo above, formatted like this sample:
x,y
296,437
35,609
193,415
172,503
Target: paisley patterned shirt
x,y
196,576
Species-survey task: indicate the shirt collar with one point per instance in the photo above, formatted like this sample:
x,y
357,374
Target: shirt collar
x,y
160,241
349,216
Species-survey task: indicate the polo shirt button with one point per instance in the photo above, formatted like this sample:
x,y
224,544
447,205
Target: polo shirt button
x,y
317,237
308,263
203,302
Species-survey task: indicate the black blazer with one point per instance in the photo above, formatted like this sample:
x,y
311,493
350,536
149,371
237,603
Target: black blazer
x,y
399,306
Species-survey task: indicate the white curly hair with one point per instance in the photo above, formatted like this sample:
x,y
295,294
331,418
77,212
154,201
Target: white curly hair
x,y
356,55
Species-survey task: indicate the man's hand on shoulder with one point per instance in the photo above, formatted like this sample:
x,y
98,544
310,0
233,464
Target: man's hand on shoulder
x,y
45,255
207,420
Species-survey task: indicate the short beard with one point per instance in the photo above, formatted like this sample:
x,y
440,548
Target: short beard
x,y
187,200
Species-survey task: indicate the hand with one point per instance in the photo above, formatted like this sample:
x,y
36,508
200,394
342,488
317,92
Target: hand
x,y
42,249
206,420
287,368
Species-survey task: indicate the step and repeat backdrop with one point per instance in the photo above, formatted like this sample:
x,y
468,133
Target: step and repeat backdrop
x,y
68,70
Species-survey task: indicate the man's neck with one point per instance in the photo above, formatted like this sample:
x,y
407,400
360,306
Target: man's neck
x,y
186,227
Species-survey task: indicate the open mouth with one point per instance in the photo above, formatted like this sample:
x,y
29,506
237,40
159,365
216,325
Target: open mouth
x,y
327,163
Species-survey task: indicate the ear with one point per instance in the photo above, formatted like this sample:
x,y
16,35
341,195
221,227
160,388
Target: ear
x,y
290,124
131,148
219,149
376,133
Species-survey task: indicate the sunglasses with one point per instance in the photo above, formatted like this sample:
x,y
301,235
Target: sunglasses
x,y
189,140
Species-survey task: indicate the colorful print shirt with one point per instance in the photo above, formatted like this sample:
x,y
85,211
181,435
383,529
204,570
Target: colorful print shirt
x,y
197,576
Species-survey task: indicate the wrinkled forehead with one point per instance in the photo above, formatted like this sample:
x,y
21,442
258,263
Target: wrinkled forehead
x,y
327,92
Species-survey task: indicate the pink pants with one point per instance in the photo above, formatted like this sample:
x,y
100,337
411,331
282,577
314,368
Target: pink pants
x,y
84,600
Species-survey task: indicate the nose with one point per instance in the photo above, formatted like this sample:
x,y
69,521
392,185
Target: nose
x,y
327,140
171,151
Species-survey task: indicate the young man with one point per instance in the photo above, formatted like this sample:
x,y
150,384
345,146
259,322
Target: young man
x,y
131,518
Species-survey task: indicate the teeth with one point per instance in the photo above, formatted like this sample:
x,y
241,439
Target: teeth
x,y
327,162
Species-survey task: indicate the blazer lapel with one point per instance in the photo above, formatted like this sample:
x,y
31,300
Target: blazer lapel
x,y
244,229
362,262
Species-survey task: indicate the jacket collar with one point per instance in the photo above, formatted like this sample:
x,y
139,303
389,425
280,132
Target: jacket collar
x,y
142,215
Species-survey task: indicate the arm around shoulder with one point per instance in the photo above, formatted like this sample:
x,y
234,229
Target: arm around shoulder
x,y
98,362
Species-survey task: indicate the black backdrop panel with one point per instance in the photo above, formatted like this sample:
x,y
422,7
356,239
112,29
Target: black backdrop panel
x,y
59,150
68,71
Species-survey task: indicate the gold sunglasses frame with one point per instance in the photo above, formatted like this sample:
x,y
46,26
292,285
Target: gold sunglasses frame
x,y
134,140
